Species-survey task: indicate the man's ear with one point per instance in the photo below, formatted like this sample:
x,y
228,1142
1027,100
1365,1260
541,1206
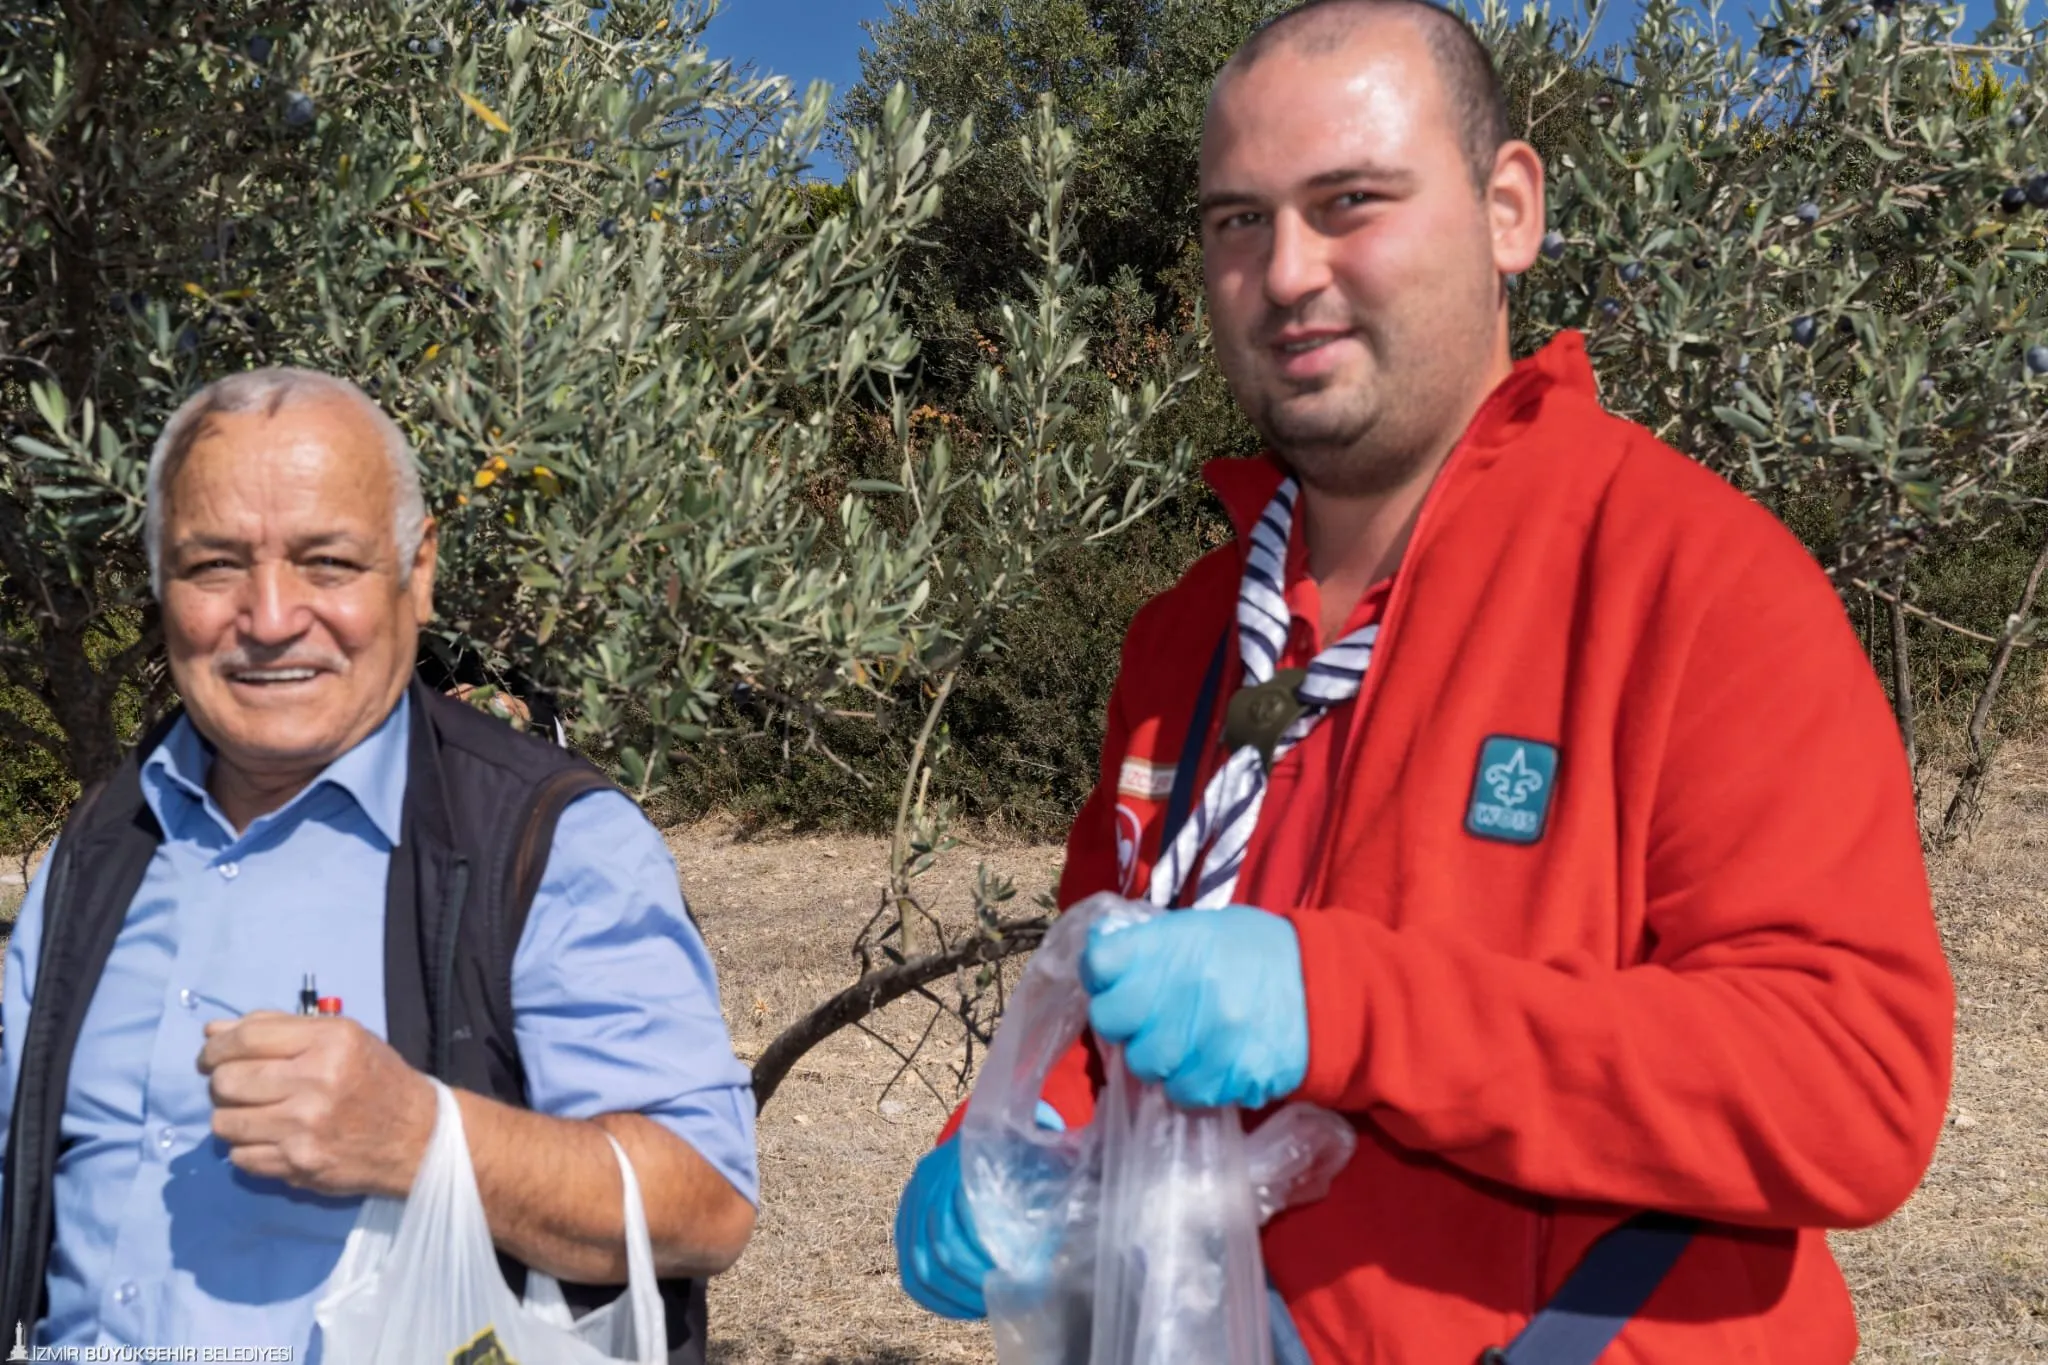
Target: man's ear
x,y
1514,206
424,561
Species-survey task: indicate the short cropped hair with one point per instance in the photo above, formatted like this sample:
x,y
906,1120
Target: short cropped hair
x,y
1471,84
272,390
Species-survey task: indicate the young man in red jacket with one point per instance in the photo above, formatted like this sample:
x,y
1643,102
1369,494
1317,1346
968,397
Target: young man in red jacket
x,y
1585,878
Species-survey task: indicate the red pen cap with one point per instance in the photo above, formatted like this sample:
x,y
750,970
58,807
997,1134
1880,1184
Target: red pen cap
x,y
330,1004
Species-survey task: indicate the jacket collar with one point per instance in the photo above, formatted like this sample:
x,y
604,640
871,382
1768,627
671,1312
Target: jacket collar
x,y
1245,486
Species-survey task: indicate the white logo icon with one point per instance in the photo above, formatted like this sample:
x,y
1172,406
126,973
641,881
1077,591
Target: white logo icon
x,y
1514,781
20,1351
1128,833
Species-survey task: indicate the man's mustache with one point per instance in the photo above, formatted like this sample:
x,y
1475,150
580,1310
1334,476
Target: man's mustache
x,y
241,659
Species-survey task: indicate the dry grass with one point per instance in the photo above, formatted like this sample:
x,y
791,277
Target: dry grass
x,y
1961,1275
819,1281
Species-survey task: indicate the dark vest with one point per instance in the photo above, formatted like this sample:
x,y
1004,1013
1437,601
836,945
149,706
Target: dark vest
x,y
461,883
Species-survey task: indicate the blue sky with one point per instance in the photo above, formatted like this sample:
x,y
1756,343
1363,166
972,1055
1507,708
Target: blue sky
x,y
805,40
810,40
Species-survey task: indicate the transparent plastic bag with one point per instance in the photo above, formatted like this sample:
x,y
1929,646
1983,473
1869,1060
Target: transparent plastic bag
x,y
1177,1274
419,1280
1133,1241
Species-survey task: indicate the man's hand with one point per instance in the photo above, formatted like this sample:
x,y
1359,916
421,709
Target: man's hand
x,y
319,1103
1210,1002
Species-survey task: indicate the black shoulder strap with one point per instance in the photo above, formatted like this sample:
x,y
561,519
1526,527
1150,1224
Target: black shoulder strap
x,y
1605,1290
1181,800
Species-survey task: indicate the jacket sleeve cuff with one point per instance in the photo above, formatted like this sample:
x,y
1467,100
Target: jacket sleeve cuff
x,y
1334,988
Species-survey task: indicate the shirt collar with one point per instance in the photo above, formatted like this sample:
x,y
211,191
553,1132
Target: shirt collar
x,y
373,773
1304,597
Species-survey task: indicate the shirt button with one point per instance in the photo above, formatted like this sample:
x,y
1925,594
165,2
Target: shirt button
x,y
166,1138
188,999
229,870
127,1292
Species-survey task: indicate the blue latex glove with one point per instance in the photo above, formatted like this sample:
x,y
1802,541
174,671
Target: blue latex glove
x,y
1209,1002
939,1256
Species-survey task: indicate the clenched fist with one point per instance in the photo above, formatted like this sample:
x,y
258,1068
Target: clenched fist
x,y
319,1103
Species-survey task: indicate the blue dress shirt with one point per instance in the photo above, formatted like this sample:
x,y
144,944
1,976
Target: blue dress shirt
x,y
160,1241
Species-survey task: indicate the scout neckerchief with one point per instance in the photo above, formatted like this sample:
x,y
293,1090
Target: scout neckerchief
x,y
1270,714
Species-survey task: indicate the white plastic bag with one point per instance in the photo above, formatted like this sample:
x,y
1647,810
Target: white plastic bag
x,y
1133,1241
419,1280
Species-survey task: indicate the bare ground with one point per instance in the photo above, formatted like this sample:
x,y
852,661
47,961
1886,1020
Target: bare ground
x,y
1959,1275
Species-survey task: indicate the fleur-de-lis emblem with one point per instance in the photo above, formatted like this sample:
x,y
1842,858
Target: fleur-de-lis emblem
x,y
1514,781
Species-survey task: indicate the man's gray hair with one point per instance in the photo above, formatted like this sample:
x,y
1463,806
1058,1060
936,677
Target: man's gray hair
x,y
272,390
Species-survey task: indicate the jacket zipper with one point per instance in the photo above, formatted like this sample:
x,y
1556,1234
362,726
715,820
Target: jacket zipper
x,y
1397,599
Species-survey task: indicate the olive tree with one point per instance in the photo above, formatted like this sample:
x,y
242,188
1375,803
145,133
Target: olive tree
x,y
1811,258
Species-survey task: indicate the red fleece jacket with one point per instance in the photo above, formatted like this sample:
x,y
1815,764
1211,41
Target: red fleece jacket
x,y
1712,984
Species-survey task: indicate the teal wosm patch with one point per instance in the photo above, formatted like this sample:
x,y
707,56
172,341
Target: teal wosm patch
x,y
1511,790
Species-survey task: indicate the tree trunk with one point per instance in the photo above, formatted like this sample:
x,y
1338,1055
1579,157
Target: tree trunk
x,y
79,695
876,989
84,709
1969,796
1902,678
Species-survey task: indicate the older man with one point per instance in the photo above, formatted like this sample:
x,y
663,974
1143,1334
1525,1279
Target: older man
x,y
1558,834
185,1156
